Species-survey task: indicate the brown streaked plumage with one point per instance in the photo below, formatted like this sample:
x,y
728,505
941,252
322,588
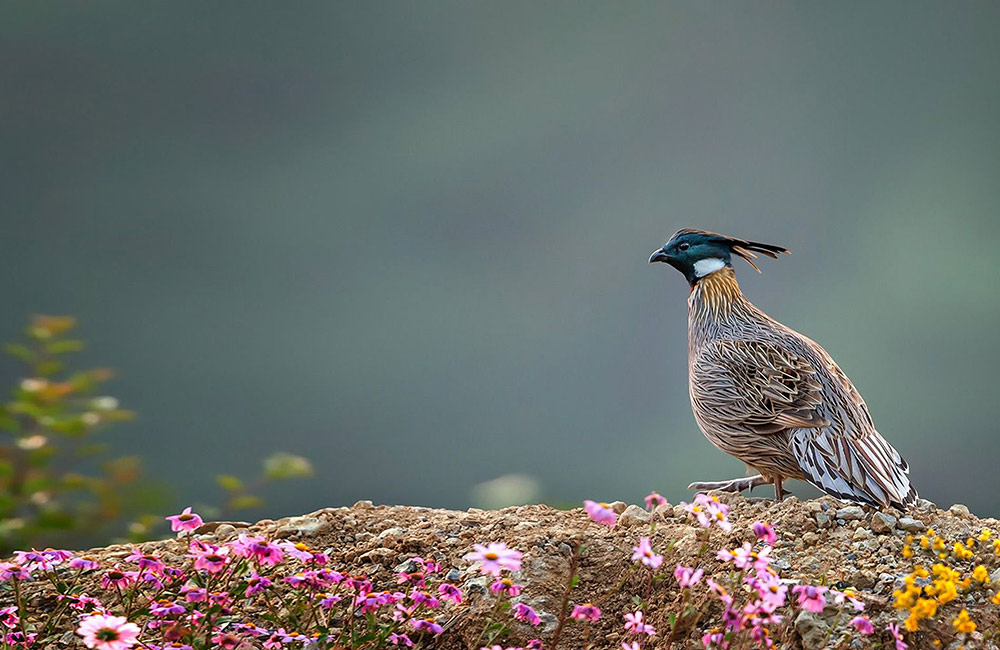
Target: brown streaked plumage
x,y
770,396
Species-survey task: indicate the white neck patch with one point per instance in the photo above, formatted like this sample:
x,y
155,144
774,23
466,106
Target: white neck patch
x,y
707,265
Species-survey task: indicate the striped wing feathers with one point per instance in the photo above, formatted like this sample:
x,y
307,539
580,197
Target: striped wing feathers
x,y
756,386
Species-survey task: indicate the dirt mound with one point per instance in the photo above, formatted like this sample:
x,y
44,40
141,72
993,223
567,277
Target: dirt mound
x,y
820,542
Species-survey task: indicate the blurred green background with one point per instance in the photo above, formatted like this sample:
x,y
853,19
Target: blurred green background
x,y
408,240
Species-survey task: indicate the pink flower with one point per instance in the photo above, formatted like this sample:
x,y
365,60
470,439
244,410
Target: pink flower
x,y
765,533
714,637
894,631
209,557
423,598
687,577
266,553
83,563
256,584
635,624
118,578
709,510
840,596
11,571
534,644
108,632
187,520
427,624
524,613
397,639
450,592
586,612
146,562
644,553
505,586
494,558
653,499
811,598
862,625
601,513
9,616
769,588
631,645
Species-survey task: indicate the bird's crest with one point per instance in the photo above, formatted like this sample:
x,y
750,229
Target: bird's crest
x,y
741,247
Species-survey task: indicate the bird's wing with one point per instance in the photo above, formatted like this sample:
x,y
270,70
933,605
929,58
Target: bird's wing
x,y
756,386
765,388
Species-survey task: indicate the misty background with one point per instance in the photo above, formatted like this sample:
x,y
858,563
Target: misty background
x,y
408,240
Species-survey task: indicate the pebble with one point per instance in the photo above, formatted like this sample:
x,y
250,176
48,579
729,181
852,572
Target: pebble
x,y
452,575
912,525
810,539
632,516
392,532
618,506
960,510
378,556
823,520
861,533
850,513
813,630
883,523
364,504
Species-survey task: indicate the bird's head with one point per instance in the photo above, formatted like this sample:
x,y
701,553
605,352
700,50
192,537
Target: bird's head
x,y
697,253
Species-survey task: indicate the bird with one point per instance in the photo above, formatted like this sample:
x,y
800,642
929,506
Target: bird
x,y
772,397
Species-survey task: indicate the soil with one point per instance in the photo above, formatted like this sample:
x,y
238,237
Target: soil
x,y
822,541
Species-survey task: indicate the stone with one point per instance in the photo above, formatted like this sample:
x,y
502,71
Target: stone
x,y
378,556
813,630
912,525
392,532
632,516
823,520
364,504
618,506
861,533
883,523
851,513
810,539
960,510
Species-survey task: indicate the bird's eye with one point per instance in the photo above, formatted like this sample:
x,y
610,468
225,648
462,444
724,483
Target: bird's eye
x,y
683,246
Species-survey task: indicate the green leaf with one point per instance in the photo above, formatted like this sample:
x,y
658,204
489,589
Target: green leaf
x,y
245,501
283,465
64,346
22,352
229,482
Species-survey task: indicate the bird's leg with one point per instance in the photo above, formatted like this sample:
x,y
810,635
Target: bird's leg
x,y
778,492
733,485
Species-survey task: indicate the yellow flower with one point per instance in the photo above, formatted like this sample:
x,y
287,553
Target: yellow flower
x,y
907,552
930,531
906,599
912,623
944,591
981,574
923,542
996,598
985,535
925,607
938,544
920,572
960,551
963,624
970,542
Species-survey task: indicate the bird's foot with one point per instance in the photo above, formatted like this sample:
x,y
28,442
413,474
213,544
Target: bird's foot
x,y
732,485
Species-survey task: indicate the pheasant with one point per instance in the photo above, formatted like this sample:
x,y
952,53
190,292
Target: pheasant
x,y
768,395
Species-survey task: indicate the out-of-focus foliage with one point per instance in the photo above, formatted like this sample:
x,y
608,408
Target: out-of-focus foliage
x,y
59,485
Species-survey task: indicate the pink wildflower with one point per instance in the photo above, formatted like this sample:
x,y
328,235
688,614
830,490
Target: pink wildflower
x,y
644,553
635,624
709,510
108,632
494,558
811,598
524,613
840,596
894,631
400,639
765,533
256,584
187,520
209,557
534,644
653,499
586,612
714,637
83,563
146,562
687,577
506,586
11,571
264,552
118,578
427,625
450,593
9,616
631,645
601,513
862,625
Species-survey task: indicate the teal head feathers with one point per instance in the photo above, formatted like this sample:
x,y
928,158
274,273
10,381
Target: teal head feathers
x,y
696,253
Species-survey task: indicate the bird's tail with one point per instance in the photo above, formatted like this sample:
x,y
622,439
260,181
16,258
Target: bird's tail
x,y
866,469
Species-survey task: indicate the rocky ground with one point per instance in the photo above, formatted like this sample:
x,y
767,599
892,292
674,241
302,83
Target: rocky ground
x,y
821,541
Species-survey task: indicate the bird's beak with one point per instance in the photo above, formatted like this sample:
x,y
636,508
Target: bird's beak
x,y
659,256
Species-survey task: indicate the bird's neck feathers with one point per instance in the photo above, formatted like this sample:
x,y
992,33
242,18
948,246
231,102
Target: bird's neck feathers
x,y
717,303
